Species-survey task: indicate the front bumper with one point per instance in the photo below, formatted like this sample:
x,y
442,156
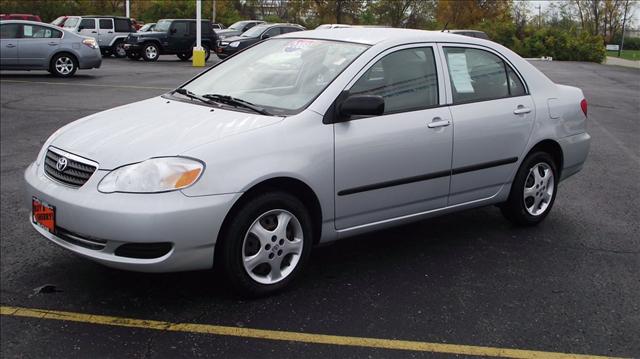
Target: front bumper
x,y
128,47
190,224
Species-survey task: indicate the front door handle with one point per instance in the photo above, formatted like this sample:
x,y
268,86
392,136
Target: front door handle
x,y
53,44
438,122
94,32
109,32
521,110
11,45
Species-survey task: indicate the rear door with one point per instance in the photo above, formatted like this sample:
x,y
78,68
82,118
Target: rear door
x,y
9,34
493,116
397,164
105,32
36,45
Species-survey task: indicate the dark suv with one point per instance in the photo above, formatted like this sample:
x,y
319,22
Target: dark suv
x,y
170,37
231,45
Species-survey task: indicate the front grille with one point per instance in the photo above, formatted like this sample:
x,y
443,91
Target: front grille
x,y
75,173
79,240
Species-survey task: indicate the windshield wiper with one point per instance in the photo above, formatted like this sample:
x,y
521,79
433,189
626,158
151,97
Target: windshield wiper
x,y
237,102
192,95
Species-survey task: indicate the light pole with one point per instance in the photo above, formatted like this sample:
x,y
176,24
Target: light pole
x,y
127,6
624,19
198,52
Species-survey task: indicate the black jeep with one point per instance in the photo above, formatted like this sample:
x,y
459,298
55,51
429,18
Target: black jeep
x,y
170,37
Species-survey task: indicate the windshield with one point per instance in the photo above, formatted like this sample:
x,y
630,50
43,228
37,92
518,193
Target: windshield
x,y
255,31
281,75
238,25
71,22
162,26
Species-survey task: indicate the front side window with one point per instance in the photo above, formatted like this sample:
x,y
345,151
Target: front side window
x,y
39,32
9,31
106,24
406,79
479,75
163,25
275,31
88,24
281,75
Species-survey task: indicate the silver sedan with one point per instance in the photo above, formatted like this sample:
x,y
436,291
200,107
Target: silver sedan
x,y
29,45
307,138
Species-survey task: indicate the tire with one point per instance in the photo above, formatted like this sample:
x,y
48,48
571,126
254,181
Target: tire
x,y
255,231
132,55
150,52
532,196
63,65
207,52
118,49
184,56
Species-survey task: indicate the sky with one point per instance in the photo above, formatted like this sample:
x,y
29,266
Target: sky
x,y
544,4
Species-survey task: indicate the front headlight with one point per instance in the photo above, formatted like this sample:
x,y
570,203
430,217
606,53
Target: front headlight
x,y
91,43
153,175
234,44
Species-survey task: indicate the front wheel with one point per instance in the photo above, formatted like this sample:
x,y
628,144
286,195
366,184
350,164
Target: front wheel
x,y
533,190
132,55
184,56
150,52
266,244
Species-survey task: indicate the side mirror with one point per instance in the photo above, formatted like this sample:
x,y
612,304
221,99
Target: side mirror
x,y
361,105
173,31
265,36
80,28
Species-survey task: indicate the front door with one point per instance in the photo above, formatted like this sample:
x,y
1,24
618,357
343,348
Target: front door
x,y
399,163
179,39
493,118
9,45
88,27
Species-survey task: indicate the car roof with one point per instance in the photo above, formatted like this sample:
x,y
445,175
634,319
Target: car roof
x,y
182,20
372,35
105,17
16,21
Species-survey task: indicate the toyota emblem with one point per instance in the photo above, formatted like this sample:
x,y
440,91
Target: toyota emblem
x,y
61,165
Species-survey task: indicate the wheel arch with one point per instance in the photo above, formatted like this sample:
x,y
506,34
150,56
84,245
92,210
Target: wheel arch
x,y
553,148
293,186
63,51
116,39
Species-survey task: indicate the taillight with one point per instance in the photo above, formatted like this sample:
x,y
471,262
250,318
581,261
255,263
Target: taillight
x,y
583,106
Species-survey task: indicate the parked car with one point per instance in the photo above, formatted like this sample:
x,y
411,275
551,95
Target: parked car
x,y
148,27
110,31
231,45
332,26
217,26
28,17
238,28
171,37
307,138
472,33
60,20
30,45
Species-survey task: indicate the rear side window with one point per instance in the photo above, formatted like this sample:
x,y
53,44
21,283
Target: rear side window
x,y
274,31
406,79
290,29
180,28
106,24
39,32
479,75
122,25
9,31
205,28
88,23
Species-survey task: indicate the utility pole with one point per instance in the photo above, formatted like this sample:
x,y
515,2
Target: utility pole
x,y
213,12
624,19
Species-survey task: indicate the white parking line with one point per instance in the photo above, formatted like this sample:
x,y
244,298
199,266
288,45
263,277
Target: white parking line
x,y
88,85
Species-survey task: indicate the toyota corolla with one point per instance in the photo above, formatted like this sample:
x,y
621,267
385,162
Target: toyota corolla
x,y
307,138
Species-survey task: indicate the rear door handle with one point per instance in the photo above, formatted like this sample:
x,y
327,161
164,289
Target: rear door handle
x,y
521,110
94,32
109,32
438,122
53,44
11,45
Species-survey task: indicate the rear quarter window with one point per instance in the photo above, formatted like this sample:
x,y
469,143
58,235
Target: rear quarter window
x,y
122,25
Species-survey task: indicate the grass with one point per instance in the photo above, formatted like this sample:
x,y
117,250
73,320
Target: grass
x,y
626,54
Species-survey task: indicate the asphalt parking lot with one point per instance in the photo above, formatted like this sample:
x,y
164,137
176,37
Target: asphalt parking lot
x,y
470,280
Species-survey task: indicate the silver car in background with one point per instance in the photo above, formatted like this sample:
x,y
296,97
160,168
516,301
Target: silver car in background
x,y
307,138
29,45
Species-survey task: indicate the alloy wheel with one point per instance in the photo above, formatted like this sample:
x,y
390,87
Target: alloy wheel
x,y
272,246
64,65
538,189
151,52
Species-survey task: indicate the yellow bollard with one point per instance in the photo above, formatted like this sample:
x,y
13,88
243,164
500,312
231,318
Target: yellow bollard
x,y
198,57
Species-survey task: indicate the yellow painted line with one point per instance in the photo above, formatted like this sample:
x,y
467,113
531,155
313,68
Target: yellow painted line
x,y
87,85
286,336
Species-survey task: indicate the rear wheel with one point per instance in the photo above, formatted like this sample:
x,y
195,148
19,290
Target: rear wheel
x,y
266,244
150,52
207,52
133,55
118,49
63,65
533,190
184,56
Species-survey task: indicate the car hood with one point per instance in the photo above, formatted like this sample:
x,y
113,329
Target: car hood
x,y
152,128
228,32
231,39
148,34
